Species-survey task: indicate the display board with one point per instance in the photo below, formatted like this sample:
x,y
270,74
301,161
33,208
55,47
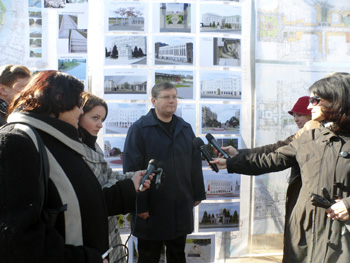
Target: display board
x,y
238,66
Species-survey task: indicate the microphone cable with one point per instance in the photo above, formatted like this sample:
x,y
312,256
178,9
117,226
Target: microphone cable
x,y
132,226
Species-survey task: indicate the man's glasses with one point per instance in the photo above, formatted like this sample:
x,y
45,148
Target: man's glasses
x,y
315,100
168,98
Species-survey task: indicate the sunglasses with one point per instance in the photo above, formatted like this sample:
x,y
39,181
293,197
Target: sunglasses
x,y
315,100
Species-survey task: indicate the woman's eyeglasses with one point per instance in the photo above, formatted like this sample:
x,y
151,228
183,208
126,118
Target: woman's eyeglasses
x,y
315,100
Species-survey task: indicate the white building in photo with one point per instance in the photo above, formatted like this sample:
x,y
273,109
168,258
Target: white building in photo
x,y
234,21
123,117
174,52
226,87
220,187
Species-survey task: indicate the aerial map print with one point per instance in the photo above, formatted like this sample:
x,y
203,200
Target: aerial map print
x,y
303,30
21,33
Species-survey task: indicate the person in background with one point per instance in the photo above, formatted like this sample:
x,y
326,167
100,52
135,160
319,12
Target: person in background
x,y
300,112
302,117
90,123
52,104
13,79
165,215
313,233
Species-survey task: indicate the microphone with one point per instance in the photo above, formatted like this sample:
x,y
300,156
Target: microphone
x,y
199,144
159,174
212,140
150,168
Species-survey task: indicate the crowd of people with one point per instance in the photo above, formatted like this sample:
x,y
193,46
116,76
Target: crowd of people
x,y
48,121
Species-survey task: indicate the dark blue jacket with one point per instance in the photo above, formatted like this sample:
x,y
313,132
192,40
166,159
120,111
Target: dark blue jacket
x,y
171,206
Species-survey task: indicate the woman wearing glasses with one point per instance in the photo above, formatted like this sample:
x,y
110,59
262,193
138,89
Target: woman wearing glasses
x,y
314,233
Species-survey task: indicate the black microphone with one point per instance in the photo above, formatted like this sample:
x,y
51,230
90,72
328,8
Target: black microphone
x,y
213,142
199,144
150,168
159,174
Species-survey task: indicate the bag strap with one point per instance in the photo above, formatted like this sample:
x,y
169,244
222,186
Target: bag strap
x,y
43,159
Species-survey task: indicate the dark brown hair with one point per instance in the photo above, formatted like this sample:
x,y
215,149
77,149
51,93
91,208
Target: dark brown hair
x,y
335,89
90,101
10,73
49,92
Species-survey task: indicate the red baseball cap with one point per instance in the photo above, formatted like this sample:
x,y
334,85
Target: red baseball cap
x,y
300,106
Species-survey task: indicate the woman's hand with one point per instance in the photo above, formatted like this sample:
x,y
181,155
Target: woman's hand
x,y
230,150
338,211
137,180
220,162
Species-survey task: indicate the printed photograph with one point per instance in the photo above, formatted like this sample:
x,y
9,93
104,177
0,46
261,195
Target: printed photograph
x,y
35,22
182,80
35,53
126,85
122,115
54,3
126,16
124,223
175,17
113,151
72,33
220,118
220,18
224,52
200,248
220,85
173,51
219,216
221,185
35,32
125,50
34,3
73,66
187,111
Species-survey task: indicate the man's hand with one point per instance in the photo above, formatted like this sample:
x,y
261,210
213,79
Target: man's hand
x,y
144,215
137,180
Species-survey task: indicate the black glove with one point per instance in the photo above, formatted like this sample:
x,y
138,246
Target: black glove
x,y
324,201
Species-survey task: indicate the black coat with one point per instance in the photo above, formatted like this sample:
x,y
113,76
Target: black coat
x,y
171,207
23,235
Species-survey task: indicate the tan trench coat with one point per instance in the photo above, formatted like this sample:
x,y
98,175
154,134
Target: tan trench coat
x,y
310,235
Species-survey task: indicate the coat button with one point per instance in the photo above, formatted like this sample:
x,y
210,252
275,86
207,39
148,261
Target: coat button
x,y
344,154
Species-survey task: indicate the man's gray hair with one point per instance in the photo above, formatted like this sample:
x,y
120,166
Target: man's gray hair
x,y
161,86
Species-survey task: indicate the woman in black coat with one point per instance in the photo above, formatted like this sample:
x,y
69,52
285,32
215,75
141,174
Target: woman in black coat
x,y
52,104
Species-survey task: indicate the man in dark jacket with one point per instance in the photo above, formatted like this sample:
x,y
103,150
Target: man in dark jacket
x,y
13,78
165,215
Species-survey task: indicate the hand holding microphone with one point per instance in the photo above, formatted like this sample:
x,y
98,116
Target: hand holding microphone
x,y
152,165
199,144
216,145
